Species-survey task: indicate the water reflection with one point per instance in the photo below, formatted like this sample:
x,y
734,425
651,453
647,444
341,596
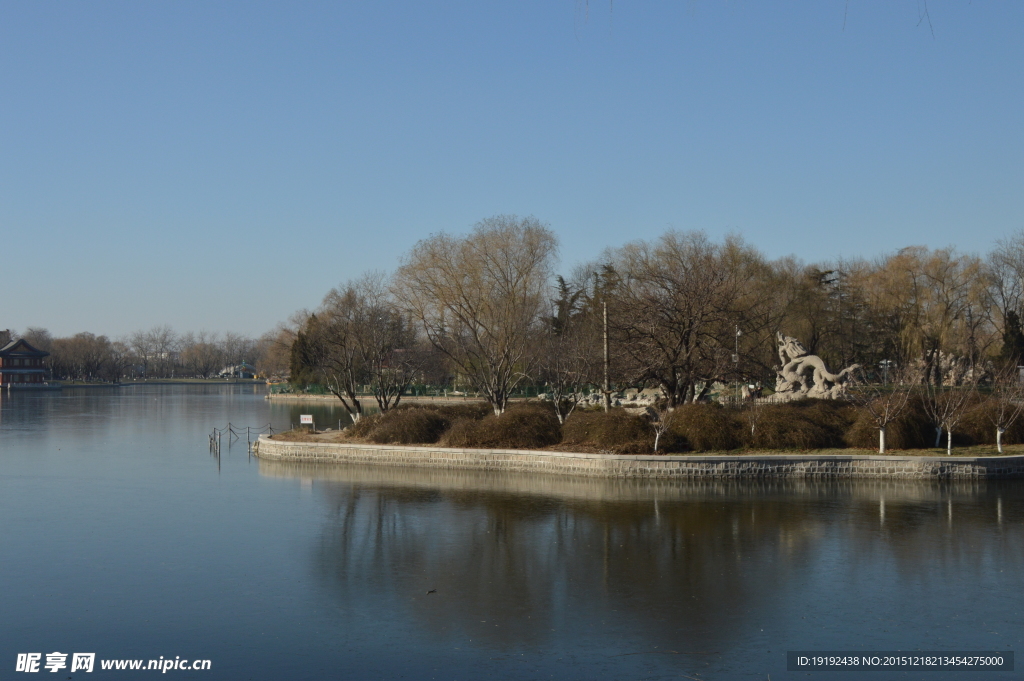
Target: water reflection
x,y
325,413
121,537
701,565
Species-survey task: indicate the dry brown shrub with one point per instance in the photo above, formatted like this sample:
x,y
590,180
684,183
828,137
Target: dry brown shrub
x,y
804,424
978,426
363,427
834,416
582,427
522,426
617,431
912,429
409,427
462,434
704,427
452,412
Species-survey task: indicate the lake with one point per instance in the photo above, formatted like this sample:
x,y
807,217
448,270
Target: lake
x,y
123,535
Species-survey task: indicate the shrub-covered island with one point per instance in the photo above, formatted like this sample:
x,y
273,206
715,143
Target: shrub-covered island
x,y
703,427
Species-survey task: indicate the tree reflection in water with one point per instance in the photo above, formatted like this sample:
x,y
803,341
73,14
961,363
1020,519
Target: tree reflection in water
x,y
526,560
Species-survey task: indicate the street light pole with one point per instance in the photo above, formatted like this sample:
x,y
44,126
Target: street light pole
x,y
736,362
885,371
607,385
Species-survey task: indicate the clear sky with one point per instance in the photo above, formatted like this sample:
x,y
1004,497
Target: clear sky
x,y
214,165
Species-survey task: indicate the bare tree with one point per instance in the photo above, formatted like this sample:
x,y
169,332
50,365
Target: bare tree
x,y
660,420
753,411
39,338
1008,398
1005,274
201,353
144,349
164,344
882,402
118,356
327,345
84,356
946,405
359,338
480,299
273,351
570,360
936,301
386,341
677,308
238,351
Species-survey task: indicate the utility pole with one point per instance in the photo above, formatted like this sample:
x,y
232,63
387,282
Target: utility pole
x,y
607,385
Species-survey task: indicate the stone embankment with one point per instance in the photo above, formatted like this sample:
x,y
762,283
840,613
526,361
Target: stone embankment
x,y
660,467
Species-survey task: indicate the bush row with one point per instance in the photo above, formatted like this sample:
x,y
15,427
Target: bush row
x,y
807,424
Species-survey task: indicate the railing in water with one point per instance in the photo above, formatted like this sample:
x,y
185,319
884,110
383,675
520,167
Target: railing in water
x,y
235,433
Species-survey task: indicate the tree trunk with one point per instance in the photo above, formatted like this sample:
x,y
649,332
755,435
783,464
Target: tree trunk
x,y
999,438
949,443
881,440
938,437
498,401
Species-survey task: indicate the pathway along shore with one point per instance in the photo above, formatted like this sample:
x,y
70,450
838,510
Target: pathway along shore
x,y
645,466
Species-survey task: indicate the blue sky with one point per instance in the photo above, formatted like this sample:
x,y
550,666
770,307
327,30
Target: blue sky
x,y
219,165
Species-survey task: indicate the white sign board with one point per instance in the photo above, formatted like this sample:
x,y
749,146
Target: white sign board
x,y
306,418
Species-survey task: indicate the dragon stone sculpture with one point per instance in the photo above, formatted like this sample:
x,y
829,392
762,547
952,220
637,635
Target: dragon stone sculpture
x,y
804,375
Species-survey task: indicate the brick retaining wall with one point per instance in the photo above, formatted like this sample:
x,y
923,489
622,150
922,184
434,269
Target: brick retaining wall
x,y
671,467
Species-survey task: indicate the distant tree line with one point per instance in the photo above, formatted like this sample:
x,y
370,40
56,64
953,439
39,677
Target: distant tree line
x,y
488,311
155,353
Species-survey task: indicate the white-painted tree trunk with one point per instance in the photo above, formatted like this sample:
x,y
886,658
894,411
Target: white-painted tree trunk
x,y
949,443
881,440
999,438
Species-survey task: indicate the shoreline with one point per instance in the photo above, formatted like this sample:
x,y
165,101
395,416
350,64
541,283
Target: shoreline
x,y
368,399
162,381
681,467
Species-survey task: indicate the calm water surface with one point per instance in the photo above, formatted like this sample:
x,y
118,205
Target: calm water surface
x,y
123,536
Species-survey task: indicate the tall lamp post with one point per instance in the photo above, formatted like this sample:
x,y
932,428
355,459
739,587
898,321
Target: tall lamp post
x,y
885,364
736,362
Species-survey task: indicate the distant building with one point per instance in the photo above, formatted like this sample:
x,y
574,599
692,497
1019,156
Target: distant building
x,y
21,365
